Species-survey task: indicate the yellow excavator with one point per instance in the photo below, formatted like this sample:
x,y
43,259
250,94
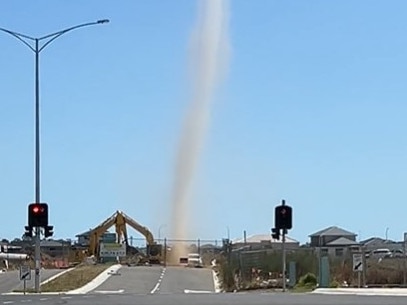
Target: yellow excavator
x,y
120,220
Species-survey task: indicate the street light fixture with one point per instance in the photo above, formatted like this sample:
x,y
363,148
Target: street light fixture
x,y
37,48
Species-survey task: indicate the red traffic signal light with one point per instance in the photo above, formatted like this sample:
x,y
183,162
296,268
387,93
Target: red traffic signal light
x,y
37,208
283,217
37,215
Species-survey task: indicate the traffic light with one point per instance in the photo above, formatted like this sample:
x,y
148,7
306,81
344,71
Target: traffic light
x,y
275,233
48,231
28,231
283,217
38,215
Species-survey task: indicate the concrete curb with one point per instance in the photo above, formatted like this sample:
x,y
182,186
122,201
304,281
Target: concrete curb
x,y
362,291
97,281
55,276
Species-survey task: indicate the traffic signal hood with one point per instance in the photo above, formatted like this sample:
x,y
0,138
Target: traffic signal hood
x,y
38,215
283,217
28,231
48,231
275,233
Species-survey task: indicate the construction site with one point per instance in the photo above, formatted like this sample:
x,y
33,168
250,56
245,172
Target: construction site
x,y
99,245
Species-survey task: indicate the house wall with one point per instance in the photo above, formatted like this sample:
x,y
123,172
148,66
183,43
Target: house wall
x,y
318,241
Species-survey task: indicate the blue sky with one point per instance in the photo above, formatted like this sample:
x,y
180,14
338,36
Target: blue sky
x,y
312,111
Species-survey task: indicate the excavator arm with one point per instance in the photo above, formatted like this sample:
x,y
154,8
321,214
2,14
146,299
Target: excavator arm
x,y
138,227
120,220
97,232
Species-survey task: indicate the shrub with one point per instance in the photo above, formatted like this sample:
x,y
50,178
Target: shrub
x,y
308,280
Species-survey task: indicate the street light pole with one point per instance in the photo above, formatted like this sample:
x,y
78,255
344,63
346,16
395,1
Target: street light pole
x,y
27,40
159,231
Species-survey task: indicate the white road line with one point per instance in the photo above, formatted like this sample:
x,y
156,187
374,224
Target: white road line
x,y
196,291
44,299
64,298
109,291
157,286
8,302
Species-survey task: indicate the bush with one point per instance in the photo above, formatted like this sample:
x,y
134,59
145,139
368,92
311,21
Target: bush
x,y
308,279
334,284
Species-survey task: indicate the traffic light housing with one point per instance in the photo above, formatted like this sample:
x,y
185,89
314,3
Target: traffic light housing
x,y
38,215
275,233
48,231
28,231
283,217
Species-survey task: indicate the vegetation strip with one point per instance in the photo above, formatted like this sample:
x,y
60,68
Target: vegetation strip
x,y
74,279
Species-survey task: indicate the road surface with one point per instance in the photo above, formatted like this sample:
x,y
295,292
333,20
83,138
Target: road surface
x,y
11,279
158,280
201,299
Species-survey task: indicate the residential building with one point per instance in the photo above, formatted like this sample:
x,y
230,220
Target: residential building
x,y
265,241
334,241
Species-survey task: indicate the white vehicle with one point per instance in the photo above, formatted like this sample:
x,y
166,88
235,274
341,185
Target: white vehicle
x,y
381,253
194,260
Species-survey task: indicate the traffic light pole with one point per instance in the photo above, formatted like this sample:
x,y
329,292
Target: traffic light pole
x,y
27,40
37,258
284,260
37,255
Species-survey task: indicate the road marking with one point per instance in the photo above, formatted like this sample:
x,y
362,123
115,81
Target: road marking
x,y
157,286
109,291
197,291
43,299
64,298
8,302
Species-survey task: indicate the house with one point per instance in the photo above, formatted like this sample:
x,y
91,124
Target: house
x,y
375,243
83,238
334,241
55,248
265,241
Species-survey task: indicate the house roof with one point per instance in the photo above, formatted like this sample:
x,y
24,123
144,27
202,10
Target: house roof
x,y
87,233
261,238
376,240
332,231
342,241
51,243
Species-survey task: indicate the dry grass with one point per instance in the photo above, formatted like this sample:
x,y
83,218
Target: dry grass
x,y
76,278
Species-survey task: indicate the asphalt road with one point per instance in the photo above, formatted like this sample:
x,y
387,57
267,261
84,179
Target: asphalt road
x,y
186,280
203,299
10,280
158,280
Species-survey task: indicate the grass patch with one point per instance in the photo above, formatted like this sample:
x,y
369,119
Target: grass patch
x,y
302,289
74,279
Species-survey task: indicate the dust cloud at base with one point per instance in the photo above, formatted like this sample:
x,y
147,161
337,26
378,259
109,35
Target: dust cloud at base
x,y
209,51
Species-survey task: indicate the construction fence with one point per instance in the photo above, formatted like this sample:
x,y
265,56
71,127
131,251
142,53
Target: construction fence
x,y
263,268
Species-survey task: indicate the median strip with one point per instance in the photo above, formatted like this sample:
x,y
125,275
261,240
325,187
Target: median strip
x,y
78,280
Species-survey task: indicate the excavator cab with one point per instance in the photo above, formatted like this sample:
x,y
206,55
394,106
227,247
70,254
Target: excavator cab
x,y
154,253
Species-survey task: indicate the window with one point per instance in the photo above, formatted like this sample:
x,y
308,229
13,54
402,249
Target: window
x,y
339,252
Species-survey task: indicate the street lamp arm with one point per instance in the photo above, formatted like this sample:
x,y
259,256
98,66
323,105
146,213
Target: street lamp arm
x,y
55,35
19,37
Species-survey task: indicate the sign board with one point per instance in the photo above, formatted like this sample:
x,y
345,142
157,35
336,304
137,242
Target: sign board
x,y
112,250
25,273
357,262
